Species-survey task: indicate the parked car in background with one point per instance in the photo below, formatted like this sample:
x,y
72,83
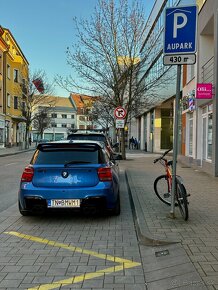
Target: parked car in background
x,y
76,175
95,136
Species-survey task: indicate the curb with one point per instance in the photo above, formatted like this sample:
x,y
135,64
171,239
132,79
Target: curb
x,y
144,235
16,152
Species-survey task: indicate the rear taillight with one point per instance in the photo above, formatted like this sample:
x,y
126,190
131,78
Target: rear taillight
x,y
105,174
27,175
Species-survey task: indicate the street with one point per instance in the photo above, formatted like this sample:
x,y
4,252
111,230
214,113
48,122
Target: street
x,y
67,251
11,168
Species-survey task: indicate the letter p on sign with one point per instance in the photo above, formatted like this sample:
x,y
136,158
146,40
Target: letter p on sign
x,y
178,25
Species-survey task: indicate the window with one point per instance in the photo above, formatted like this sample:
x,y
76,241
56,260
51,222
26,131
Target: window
x,y
64,155
207,136
15,75
8,71
190,135
15,102
72,116
64,125
23,106
64,116
8,100
190,72
59,136
53,115
53,125
73,126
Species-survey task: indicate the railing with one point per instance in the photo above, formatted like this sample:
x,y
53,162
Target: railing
x,y
207,73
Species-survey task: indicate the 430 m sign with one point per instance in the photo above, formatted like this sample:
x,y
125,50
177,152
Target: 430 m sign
x,y
179,59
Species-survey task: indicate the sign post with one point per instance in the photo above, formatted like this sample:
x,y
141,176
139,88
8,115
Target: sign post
x,y
120,115
180,46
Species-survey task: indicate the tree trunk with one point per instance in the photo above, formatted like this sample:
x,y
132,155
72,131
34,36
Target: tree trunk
x,y
27,137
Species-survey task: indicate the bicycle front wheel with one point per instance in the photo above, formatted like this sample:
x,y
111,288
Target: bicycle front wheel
x,y
181,197
162,189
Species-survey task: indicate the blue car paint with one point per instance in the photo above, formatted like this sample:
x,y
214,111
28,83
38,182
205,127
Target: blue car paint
x,y
75,186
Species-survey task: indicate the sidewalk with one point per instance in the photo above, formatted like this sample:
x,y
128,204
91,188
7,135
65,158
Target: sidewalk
x,y
195,242
15,150
175,254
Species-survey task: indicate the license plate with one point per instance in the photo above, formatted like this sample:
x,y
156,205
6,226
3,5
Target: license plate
x,y
63,203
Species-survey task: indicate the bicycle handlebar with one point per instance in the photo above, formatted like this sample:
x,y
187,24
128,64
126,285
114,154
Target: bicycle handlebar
x,y
162,156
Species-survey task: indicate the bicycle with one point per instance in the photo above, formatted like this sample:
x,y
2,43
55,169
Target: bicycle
x,y
163,186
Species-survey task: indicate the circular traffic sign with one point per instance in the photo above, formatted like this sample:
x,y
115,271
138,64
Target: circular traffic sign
x,y
120,113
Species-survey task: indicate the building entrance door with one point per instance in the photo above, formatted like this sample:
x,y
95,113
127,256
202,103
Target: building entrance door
x,y
166,129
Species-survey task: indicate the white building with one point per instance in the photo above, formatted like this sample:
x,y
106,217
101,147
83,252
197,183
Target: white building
x,y
63,119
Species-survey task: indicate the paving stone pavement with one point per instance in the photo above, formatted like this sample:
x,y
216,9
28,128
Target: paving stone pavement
x,y
26,263
174,254
198,236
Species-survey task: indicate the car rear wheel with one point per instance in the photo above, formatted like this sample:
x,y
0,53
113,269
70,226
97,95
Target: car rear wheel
x,y
116,210
24,212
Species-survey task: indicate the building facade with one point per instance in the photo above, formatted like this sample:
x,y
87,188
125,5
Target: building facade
x,y
155,124
200,125
14,86
84,105
63,118
198,122
3,49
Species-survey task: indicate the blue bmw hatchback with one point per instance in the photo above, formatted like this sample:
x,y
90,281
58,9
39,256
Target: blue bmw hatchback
x,y
75,175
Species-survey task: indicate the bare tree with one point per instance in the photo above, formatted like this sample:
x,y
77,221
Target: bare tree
x,y
36,91
107,59
42,120
102,115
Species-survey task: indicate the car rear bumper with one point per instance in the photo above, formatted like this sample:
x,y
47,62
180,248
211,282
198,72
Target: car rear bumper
x,y
35,199
88,205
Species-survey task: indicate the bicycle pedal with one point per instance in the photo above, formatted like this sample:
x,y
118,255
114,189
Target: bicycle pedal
x,y
188,194
166,195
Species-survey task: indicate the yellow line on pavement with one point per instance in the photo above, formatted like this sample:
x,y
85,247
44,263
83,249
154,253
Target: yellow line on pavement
x,y
78,279
124,263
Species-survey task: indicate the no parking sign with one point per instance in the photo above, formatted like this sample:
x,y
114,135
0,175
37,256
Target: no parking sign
x,y
120,113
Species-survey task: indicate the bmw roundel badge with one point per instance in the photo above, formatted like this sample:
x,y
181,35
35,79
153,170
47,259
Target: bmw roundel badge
x,y
64,174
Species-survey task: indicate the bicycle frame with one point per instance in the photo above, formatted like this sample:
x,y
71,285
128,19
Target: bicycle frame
x,y
164,162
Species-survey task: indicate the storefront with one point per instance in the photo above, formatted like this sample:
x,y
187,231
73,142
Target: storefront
x,y
2,127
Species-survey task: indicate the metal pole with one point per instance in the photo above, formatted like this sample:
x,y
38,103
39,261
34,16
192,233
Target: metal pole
x,y
175,141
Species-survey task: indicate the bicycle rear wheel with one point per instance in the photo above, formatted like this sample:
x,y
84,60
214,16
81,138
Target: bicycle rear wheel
x,y
181,197
162,189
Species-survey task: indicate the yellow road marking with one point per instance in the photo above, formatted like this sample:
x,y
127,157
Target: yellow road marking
x,y
124,263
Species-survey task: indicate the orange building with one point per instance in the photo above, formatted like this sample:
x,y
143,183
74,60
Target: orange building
x,y
84,105
15,80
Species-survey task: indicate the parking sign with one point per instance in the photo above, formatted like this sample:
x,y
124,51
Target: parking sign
x,y
180,30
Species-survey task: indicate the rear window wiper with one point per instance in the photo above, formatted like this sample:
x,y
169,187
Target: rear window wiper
x,y
77,162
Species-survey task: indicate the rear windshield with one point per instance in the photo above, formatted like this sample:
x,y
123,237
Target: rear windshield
x,y
87,137
63,156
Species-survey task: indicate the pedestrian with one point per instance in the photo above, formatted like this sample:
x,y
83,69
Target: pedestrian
x,y
132,142
135,143
30,140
